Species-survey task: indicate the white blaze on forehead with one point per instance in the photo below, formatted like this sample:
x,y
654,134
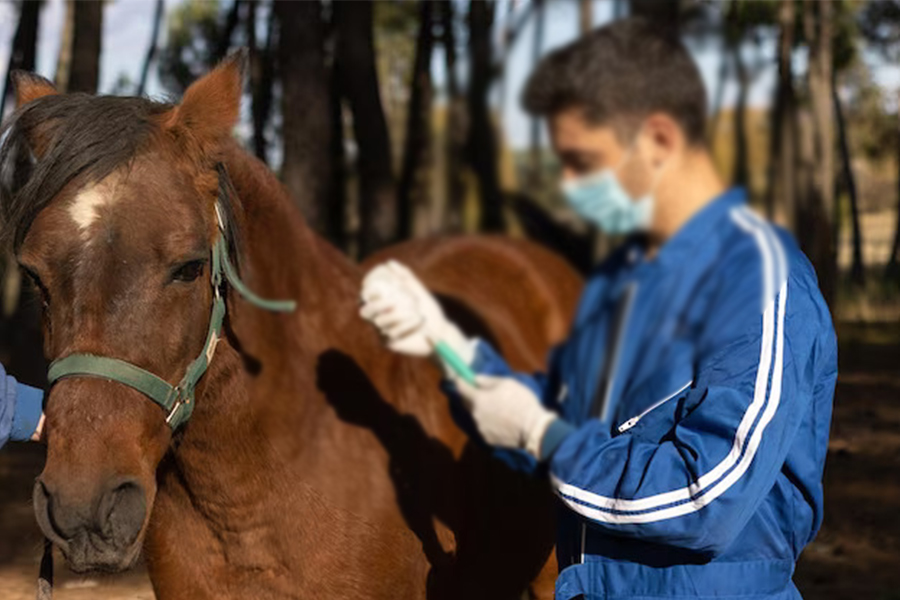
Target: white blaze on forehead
x,y
85,208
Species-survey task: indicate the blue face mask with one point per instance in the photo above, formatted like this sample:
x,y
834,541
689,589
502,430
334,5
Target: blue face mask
x,y
601,200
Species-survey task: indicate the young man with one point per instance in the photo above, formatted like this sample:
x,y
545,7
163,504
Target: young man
x,y
21,416
684,423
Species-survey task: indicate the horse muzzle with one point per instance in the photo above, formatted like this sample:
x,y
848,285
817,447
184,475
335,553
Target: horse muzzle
x,y
98,535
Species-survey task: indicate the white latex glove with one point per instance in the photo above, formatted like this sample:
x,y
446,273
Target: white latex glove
x,y
407,315
506,412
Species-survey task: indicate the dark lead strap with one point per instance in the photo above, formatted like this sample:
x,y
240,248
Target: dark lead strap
x,y
45,578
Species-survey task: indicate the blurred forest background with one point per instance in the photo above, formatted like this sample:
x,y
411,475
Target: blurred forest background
x,y
389,120
395,119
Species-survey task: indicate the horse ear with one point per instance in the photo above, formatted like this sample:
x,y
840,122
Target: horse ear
x,y
211,105
30,86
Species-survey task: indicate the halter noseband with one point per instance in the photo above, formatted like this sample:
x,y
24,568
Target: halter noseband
x,y
178,400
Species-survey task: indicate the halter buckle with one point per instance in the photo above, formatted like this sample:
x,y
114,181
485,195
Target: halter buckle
x,y
179,401
220,218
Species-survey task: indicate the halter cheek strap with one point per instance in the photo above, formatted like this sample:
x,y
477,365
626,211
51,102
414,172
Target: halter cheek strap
x,y
177,401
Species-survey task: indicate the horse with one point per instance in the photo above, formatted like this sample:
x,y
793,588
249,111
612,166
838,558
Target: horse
x,y
302,459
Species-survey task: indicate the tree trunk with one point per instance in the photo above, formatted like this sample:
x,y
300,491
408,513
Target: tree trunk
x,y
22,57
262,75
455,133
585,16
64,57
815,211
857,270
718,95
536,168
357,78
481,147
782,146
307,130
24,47
151,50
741,170
504,46
87,35
337,200
892,271
255,67
418,123
231,23
665,14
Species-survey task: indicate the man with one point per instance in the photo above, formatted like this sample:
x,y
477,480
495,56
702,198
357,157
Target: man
x,y
21,416
684,423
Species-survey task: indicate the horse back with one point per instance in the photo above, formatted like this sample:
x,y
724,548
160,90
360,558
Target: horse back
x,y
517,295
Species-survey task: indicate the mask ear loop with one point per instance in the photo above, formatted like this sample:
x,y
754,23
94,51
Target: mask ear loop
x,y
654,180
629,152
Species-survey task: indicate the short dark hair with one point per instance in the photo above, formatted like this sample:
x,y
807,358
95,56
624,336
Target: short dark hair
x,y
619,74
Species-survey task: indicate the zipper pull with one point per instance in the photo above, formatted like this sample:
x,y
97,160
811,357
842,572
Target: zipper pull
x,y
628,424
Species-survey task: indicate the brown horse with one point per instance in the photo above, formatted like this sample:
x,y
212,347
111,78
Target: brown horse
x,y
316,464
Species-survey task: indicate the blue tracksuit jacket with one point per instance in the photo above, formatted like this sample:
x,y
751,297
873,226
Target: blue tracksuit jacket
x,y
695,395
20,409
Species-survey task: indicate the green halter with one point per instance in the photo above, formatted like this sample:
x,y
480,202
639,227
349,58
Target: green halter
x,y
177,401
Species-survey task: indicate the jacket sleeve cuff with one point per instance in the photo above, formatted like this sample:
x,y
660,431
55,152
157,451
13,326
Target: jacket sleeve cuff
x,y
487,361
483,357
27,415
556,432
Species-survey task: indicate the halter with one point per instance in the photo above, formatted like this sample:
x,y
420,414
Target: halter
x,y
177,401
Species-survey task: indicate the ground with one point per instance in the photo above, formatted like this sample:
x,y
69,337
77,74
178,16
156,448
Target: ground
x,y
856,555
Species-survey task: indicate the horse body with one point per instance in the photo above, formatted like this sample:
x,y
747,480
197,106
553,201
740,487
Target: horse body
x,y
316,463
355,443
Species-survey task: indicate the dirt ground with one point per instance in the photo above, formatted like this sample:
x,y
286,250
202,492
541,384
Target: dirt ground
x,y
856,555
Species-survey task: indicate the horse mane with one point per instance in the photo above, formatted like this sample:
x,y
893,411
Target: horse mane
x,y
50,141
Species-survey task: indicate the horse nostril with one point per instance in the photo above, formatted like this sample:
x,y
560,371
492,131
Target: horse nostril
x,y
121,513
43,510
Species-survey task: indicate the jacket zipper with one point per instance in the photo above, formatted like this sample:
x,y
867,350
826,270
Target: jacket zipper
x,y
634,420
610,372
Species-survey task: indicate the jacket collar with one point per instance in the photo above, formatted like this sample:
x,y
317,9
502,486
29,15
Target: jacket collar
x,y
699,229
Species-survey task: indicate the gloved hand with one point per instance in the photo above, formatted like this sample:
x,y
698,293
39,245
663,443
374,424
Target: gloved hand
x,y
407,315
39,431
506,412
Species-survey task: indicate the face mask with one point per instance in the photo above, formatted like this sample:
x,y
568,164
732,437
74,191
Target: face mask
x,y
600,199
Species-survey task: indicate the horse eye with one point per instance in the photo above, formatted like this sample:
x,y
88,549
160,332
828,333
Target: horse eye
x,y
45,295
189,271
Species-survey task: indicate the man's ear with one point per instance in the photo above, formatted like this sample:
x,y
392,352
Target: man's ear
x,y
30,86
664,136
211,105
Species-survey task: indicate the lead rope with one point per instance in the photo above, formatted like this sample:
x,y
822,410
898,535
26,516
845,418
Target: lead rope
x,y
45,579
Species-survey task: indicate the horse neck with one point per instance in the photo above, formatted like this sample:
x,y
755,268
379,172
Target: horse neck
x,y
284,258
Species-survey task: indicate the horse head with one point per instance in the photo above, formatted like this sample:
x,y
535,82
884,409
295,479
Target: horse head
x,y
110,204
